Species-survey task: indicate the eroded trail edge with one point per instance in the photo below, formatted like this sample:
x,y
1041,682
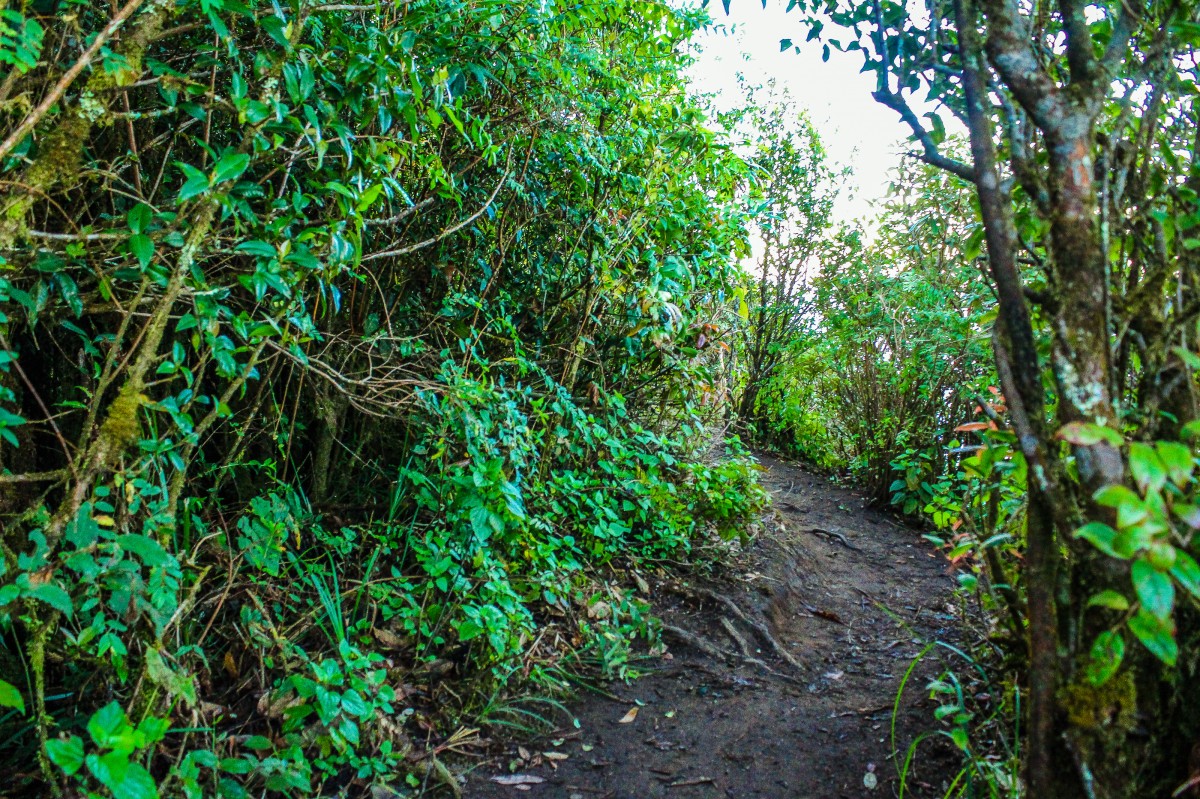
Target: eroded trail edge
x,y
780,678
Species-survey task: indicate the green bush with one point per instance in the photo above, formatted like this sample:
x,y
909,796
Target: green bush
x,y
343,348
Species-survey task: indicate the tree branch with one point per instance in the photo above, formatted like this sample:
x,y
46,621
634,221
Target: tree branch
x,y
1010,49
54,95
930,153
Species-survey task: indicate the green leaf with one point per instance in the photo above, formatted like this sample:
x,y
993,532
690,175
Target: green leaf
x,y
1115,496
1157,635
139,218
142,248
11,697
146,548
1187,572
1109,599
1149,472
354,704
1107,653
151,730
196,183
54,596
481,522
276,29
260,248
136,783
175,684
1086,434
106,724
66,753
1099,535
468,629
1154,589
1130,508
1178,460
230,167
1188,514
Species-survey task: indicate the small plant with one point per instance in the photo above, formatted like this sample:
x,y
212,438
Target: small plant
x,y
112,763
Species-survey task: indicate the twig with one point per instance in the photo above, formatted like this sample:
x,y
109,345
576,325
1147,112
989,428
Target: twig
x,y
696,781
33,392
34,477
448,231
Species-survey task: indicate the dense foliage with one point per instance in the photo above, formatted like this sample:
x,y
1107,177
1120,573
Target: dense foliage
x,y
347,349
893,352
344,346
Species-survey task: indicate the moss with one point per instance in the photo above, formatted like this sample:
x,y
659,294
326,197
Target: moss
x,y
1101,720
1101,708
121,428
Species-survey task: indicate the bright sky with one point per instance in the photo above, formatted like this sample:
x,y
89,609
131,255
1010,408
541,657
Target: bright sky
x,y
857,131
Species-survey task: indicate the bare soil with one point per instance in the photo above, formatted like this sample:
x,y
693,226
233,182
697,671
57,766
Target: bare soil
x,y
851,594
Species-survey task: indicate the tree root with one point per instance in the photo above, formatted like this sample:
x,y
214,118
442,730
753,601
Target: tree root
x,y
840,537
714,651
754,624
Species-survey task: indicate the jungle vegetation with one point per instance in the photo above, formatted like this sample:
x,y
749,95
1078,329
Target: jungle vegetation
x,y
357,360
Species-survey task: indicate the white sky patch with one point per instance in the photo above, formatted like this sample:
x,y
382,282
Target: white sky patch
x,y
857,131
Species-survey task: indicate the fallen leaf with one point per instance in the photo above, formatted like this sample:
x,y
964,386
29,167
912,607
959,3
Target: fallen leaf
x,y
835,675
523,752
555,755
642,585
828,614
388,639
587,747
517,779
629,717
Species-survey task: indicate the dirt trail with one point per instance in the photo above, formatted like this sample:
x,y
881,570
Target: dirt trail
x,y
847,591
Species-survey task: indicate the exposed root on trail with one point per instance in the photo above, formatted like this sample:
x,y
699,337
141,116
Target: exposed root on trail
x,y
712,650
758,626
834,534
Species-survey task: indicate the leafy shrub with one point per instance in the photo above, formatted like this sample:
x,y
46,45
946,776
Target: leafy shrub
x,y
340,348
898,352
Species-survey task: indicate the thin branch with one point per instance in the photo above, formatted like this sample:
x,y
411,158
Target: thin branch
x,y
41,234
448,231
35,477
33,392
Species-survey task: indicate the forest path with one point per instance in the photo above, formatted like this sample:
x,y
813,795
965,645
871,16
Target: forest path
x,y
845,590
